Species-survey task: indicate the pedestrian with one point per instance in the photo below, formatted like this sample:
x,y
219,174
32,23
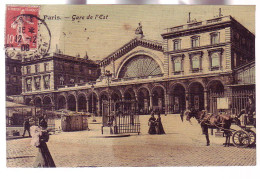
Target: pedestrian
x,y
43,123
159,127
26,126
249,111
151,124
181,114
39,139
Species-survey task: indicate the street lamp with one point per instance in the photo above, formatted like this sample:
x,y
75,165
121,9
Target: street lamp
x,y
108,74
93,87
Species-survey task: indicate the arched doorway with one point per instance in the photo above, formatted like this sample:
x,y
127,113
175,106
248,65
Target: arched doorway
x,y
71,103
61,102
38,102
196,96
92,103
215,91
177,99
103,99
82,103
158,100
115,98
143,98
129,100
47,104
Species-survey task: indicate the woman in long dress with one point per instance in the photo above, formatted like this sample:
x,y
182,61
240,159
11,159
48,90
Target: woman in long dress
x,y
151,124
159,127
39,139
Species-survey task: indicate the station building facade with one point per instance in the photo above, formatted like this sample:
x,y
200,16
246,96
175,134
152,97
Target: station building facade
x,y
195,64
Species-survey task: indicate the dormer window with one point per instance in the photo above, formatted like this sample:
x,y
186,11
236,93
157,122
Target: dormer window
x,y
195,41
214,38
177,44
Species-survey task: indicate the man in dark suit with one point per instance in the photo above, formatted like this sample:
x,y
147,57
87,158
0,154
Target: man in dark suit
x,y
26,126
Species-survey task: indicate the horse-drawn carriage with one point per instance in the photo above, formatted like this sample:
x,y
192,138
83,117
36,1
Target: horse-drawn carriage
x,y
243,137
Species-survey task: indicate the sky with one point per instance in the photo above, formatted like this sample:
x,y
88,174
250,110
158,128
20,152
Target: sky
x,y
100,37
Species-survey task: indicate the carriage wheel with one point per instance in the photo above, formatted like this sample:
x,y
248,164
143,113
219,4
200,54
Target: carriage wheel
x,y
252,136
241,139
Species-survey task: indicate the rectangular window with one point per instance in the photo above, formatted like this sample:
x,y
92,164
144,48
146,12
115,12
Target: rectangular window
x,y
214,38
195,63
81,69
176,45
194,42
7,69
46,67
36,68
37,82
15,79
15,69
28,69
177,66
29,84
46,82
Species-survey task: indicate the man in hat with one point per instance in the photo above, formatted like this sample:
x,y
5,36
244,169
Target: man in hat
x,y
249,110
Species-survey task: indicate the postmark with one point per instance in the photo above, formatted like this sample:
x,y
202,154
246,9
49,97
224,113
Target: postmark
x,y
27,36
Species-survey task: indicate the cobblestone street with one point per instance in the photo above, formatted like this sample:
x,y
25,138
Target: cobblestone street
x,y
183,145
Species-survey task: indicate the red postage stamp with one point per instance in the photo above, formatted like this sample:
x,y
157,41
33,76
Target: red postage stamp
x,y
21,28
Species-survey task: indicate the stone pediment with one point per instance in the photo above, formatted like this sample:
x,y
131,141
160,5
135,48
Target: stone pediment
x,y
154,45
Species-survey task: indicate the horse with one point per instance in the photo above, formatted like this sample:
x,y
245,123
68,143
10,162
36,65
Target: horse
x,y
212,121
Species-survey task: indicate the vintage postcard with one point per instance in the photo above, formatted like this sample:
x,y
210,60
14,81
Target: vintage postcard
x,y
130,86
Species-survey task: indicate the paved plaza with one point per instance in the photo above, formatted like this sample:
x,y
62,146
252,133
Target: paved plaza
x,y
183,145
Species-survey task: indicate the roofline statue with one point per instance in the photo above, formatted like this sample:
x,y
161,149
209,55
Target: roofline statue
x,y
139,31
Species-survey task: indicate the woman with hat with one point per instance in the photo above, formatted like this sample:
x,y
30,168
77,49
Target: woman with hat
x,y
152,124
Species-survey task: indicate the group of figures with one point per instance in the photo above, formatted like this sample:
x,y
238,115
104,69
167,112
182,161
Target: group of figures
x,y
155,125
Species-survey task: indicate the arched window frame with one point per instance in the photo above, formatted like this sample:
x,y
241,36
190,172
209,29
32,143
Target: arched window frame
x,y
193,55
174,59
210,54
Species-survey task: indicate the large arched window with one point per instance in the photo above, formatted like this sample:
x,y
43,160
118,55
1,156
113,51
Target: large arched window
x,y
140,66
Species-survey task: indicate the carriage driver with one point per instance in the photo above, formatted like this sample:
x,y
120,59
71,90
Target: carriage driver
x,y
249,111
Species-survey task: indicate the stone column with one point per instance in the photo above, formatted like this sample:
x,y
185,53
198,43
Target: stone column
x,y
151,102
87,105
145,105
187,100
77,105
42,83
206,100
166,101
98,106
